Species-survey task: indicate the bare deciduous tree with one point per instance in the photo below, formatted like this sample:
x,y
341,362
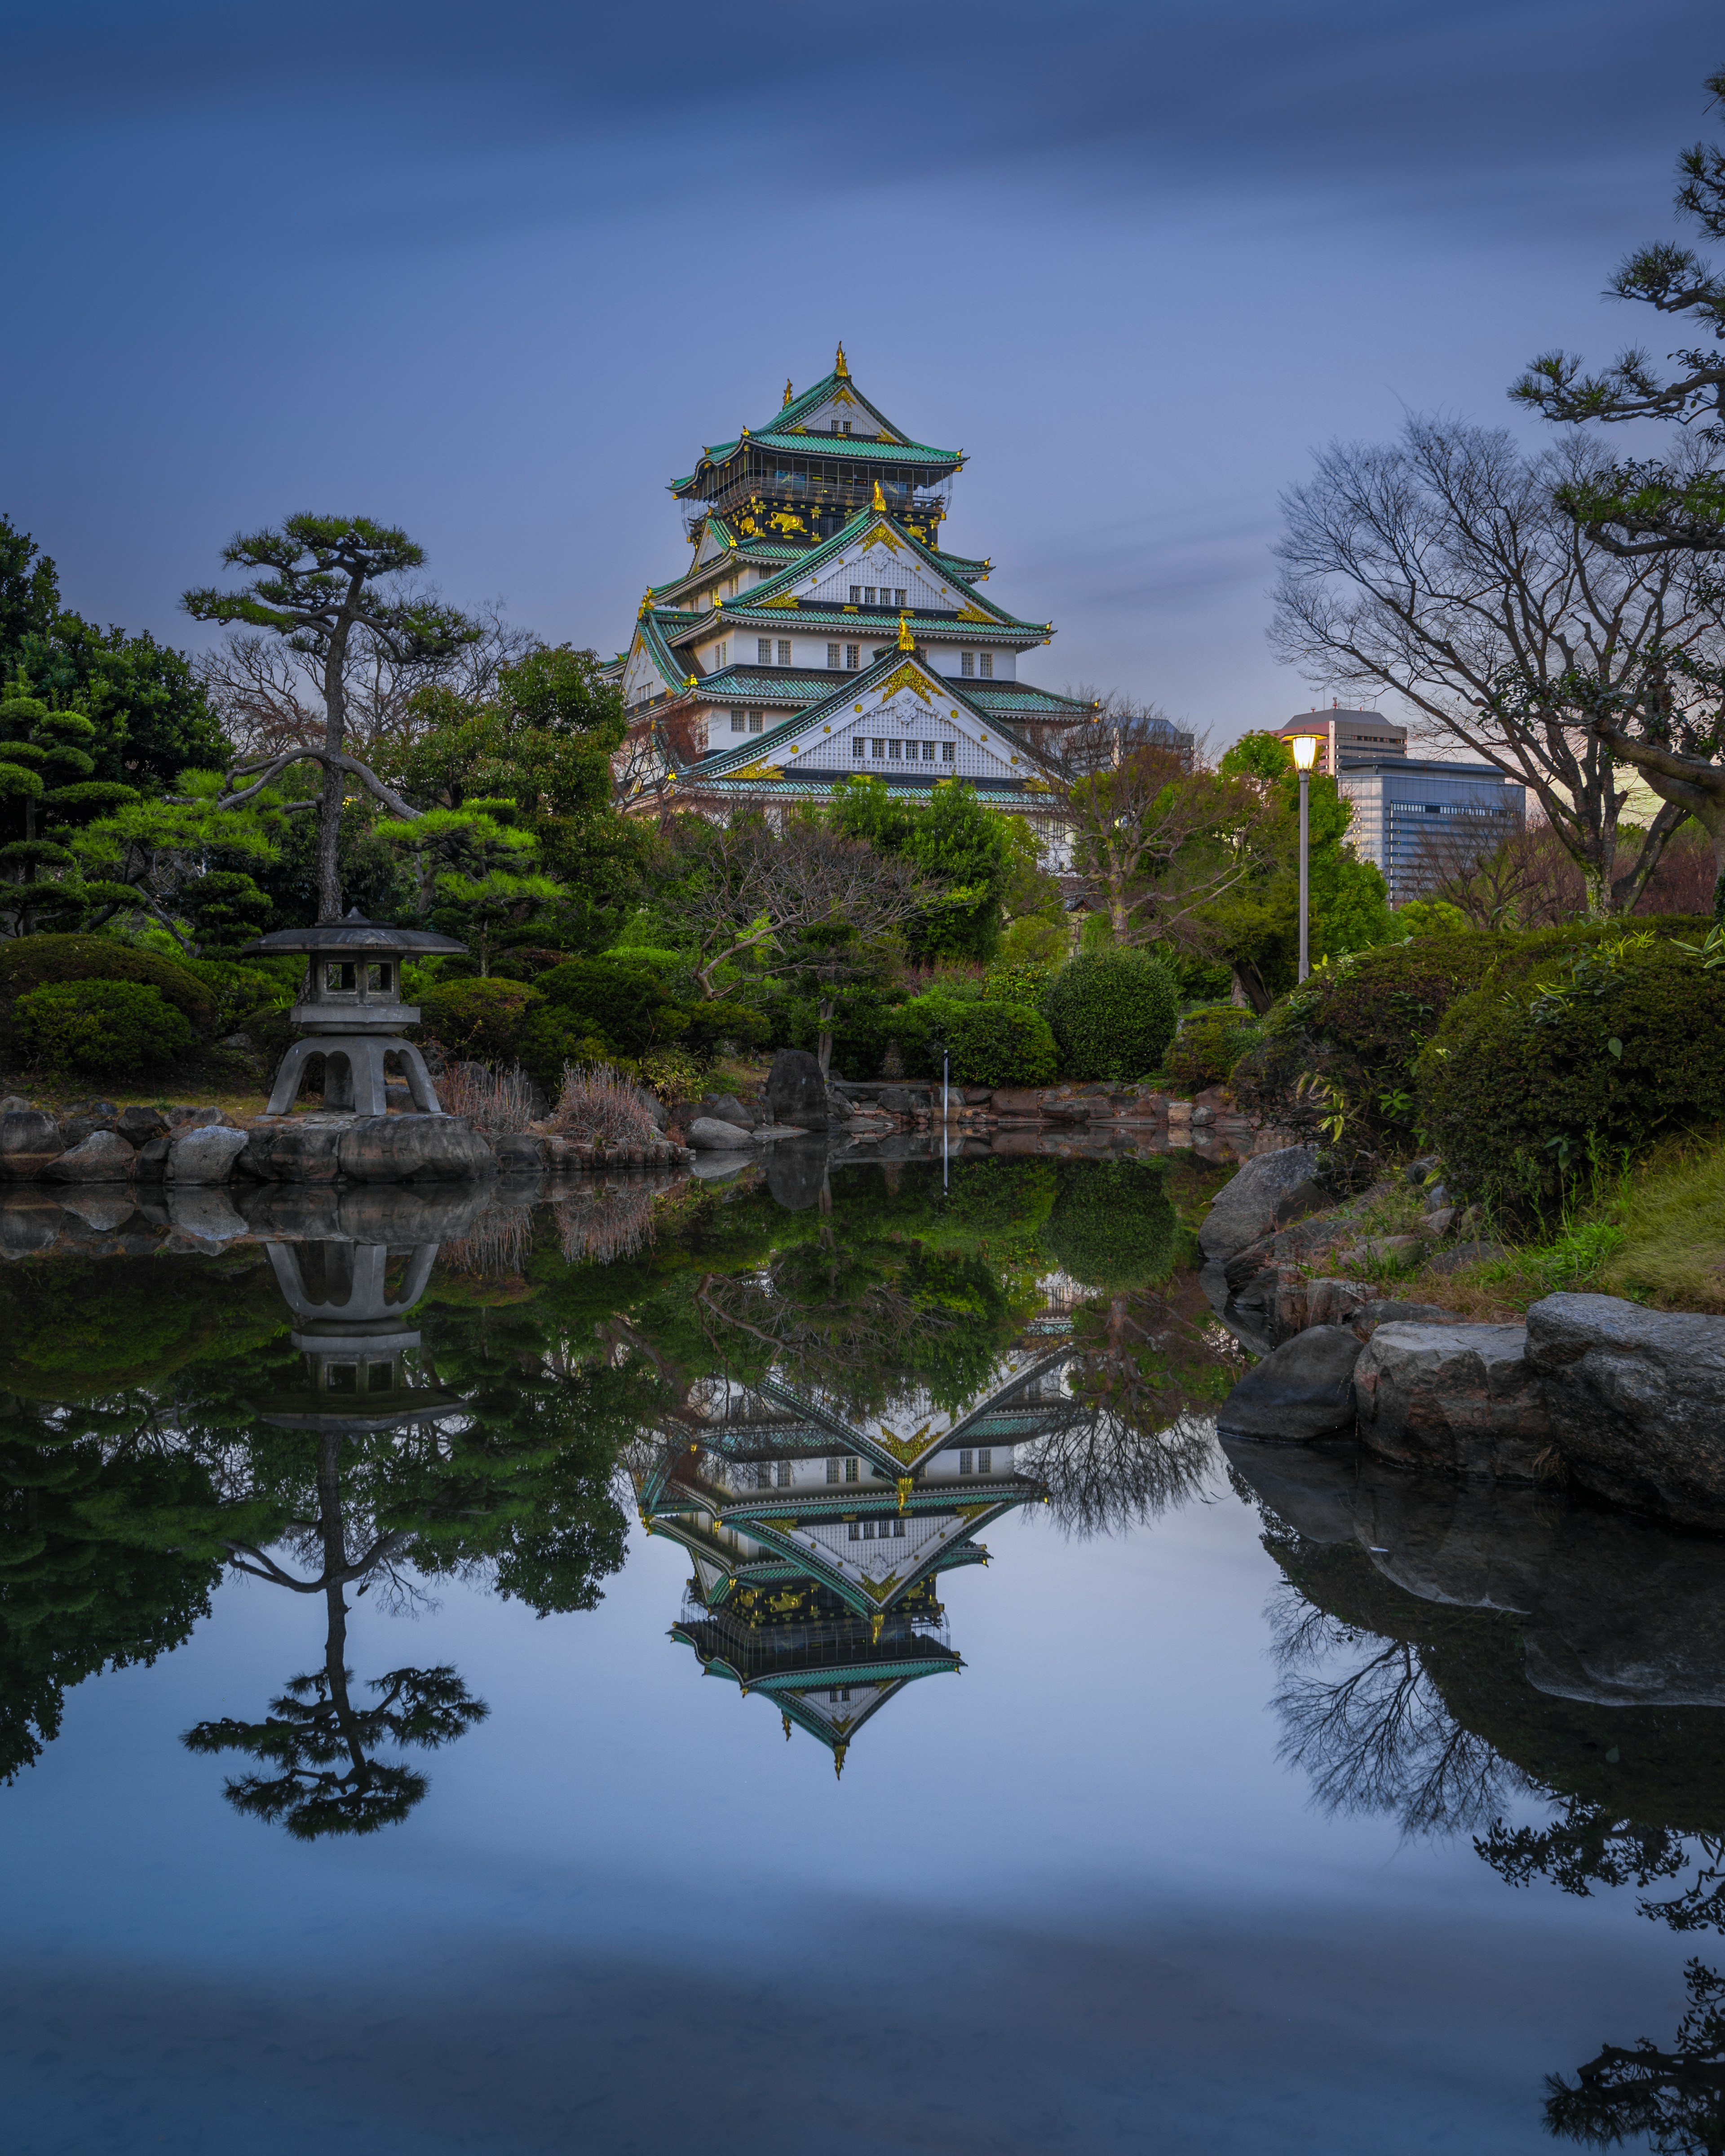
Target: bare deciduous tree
x,y
268,690
1443,566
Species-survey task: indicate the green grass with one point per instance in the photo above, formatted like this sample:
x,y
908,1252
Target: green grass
x,y
1671,1230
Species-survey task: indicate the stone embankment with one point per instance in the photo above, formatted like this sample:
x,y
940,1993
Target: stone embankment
x,y
1622,1401
99,1143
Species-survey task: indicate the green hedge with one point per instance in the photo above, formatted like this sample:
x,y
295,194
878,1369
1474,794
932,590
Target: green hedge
x,y
1360,1025
481,1020
1001,1044
618,999
1531,1092
1112,1013
39,961
103,1028
1208,1044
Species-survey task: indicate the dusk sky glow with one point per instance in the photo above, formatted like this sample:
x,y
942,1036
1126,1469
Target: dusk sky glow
x,y
497,273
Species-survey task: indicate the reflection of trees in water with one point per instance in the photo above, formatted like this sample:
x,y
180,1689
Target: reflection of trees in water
x,y
1134,1437
1591,1844
1378,1736
315,1724
1676,2097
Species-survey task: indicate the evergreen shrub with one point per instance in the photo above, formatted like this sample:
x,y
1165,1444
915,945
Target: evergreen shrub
x,y
104,1028
479,1020
38,962
1531,1092
1001,1044
617,998
1113,1014
1208,1044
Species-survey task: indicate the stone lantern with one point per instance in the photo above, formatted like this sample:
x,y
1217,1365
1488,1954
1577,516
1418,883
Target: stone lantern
x,y
350,1012
350,1326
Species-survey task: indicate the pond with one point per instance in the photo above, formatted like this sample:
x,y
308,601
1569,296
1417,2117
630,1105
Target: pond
x,y
670,1665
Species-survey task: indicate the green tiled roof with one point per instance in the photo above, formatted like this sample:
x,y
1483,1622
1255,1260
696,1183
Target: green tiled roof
x,y
817,558
964,565
1022,700
754,748
777,434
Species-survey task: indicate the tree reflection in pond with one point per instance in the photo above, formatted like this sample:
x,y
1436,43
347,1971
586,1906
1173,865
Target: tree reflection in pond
x,y
1676,2097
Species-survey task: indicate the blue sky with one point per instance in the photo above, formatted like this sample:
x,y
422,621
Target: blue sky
x,y
495,273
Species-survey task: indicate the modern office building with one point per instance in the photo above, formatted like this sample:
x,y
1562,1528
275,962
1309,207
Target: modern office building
x,y
1419,820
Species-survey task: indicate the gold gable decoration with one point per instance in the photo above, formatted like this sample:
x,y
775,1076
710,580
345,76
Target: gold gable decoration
x,y
905,677
976,614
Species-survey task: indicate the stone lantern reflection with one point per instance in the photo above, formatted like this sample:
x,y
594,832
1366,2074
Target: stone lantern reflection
x,y
359,1354
351,1013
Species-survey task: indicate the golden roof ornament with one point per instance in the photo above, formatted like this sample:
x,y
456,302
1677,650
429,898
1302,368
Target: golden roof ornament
x,y
907,642
880,498
839,368
787,392
690,683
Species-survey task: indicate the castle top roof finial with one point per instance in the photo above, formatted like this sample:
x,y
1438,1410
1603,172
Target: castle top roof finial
x,y
787,392
839,368
907,642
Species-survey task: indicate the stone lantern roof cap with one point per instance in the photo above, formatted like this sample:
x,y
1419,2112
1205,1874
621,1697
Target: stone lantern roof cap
x,y
353,933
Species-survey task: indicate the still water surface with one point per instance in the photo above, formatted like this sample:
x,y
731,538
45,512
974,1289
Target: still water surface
x,y
1179,1801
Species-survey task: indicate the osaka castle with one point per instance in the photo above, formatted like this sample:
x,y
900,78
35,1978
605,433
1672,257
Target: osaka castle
x,y
816,1544
822,629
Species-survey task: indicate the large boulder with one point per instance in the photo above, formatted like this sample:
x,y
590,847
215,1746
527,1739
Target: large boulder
x,y
104,1156
293,1149
410,1149
707,1134
521,1152
1270,1190
796,1090
726,1108
1461,1398
138,1125
1305,1390
204,1155
29,1140
1637,1401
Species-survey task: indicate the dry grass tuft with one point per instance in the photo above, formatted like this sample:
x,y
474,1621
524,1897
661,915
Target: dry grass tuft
x,y
499,1101
598,1106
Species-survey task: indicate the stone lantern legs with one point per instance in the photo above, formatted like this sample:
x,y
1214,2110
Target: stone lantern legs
x,y
353,1076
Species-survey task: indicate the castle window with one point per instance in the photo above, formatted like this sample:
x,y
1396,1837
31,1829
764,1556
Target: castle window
x,y
721,654
853,657
964,1462
984,1462
879,748
987,665
966,662
898,598
858,747
928,751
856,595
784,1474
834,1467
763,651
833,657
736,722
893,750
847,426
948,752
853,1469
868,595
856,1534
898,1530
839,1696
784,652
757,720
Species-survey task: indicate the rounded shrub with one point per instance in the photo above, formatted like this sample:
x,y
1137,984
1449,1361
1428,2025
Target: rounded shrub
x,y
1112,1226
105,1029
1208,1044
1533,1092
1113,1014
622,1001
552,1035
41,961
921,1028
1001,1044
481,1020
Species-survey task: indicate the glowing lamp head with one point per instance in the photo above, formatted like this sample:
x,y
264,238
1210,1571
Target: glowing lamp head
x,y
1305,748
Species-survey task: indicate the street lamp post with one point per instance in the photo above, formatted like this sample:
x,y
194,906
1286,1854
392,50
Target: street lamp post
x,y
1305,747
